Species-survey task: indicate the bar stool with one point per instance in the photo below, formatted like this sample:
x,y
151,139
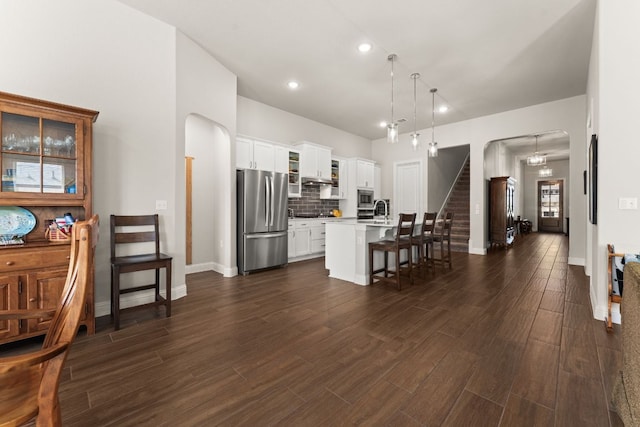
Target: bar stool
x,y
442,237
403,240
425,240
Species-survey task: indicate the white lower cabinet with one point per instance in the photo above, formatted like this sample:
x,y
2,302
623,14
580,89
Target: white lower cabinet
x,y
317,239
302,239
306,238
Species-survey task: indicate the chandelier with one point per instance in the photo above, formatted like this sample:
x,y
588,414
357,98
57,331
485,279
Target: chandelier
x,y
545,172
536,159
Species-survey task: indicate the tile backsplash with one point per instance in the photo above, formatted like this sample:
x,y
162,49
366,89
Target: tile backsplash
x,y
310,202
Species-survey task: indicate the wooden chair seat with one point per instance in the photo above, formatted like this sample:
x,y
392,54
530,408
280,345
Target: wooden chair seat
x,y
145,230
403,241
29,382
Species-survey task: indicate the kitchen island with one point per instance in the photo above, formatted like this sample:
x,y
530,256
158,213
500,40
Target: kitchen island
x,y
347,247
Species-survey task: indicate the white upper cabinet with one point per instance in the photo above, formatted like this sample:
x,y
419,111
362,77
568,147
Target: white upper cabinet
x,y
254,154
365,174
377,182
315,161
282,159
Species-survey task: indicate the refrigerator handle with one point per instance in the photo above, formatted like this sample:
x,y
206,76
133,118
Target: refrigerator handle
x,y
266,201
272,197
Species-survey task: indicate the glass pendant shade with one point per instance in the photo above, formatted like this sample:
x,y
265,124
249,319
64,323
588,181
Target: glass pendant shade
x,y
392,133
392,127
433,145
415,143
433,149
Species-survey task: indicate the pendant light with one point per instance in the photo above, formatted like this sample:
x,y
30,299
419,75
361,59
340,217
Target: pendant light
x,y
392,126
433,145
536,159
415,143
545,172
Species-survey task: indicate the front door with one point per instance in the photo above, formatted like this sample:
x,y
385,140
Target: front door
x,y
550,206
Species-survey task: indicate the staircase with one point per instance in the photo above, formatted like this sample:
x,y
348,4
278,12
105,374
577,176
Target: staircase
x,y
458,203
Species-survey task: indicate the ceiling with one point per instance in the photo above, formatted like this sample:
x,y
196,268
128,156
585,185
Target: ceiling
x,y
484,57
552,144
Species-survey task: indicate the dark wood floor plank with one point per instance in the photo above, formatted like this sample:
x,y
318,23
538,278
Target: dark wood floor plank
x,y
520,412
585,408
432,401
552,301
537,375
473,410
547,327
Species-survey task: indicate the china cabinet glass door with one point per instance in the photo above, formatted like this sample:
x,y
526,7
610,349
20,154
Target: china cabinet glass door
x,y
39,154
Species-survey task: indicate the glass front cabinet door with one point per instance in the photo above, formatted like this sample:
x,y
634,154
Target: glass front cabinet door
x,y
42,154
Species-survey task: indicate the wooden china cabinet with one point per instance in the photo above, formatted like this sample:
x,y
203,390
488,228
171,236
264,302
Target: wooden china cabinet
x,y
46,157
501,211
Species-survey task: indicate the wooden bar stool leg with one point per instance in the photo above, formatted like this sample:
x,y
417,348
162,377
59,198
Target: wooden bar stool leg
x,y
115,296
168,281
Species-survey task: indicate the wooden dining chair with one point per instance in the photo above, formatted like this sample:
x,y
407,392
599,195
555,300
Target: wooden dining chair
x,y
424,240
29,382
131,231
402,241
444,236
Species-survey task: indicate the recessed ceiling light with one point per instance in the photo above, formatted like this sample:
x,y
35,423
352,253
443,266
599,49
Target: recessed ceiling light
x,y
383,124
293,84
364,47
443,109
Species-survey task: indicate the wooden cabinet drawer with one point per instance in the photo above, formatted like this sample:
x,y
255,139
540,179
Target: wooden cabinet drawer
x,y
19,260
56,257
27,260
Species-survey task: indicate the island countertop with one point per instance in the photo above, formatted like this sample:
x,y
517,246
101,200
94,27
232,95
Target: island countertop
x,y
347,247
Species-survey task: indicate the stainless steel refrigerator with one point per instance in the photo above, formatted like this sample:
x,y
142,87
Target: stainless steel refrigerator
x,y
262,219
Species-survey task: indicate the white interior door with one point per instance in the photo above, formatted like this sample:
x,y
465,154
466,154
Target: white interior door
x,y
407,184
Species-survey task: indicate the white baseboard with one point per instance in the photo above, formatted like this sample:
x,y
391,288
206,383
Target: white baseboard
x,y
478,251
103,308
211,266
576,261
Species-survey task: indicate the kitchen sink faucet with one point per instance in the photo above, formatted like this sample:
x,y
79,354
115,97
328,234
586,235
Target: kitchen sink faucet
x,y
386,208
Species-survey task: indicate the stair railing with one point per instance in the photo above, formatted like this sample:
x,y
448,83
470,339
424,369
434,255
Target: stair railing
x,y
455,181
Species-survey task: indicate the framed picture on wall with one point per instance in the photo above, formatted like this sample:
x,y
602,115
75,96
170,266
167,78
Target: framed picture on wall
x,y
593,179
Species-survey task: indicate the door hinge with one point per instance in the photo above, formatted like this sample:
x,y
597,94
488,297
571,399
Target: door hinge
x,y
19,323
84,188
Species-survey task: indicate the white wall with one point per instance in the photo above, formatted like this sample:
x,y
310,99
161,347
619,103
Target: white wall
x,y
203,139
567,114
208,89
615,86
266,122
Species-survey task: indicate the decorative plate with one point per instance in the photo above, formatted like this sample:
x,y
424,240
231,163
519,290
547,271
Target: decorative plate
x,y
16,221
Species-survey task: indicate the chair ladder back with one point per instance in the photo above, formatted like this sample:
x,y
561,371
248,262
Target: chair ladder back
x,y
120,236
406,224
429,223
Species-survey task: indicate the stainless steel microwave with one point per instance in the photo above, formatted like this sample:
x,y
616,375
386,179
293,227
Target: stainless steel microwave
x,y
365,199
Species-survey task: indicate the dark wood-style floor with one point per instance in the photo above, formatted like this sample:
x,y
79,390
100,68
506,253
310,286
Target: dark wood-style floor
x,y
506,339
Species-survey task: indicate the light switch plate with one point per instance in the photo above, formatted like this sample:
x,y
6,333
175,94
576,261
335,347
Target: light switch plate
x,y
161,205
628,203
